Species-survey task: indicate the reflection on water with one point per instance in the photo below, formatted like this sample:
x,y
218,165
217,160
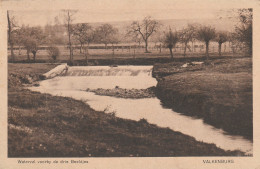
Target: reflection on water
x,y
136,109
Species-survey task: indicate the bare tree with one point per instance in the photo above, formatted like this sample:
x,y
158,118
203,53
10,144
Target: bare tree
x,y
221,37
68,23
146,28
10,34
206,34
171,38
186,35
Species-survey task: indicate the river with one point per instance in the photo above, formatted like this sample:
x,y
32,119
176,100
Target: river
x,y
77,79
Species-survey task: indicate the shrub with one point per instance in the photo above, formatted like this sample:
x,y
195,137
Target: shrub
x,y
53,52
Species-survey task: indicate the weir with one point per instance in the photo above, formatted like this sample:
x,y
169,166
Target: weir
x,y
109,71
76,80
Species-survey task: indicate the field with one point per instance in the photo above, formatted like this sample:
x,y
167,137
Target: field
x,y
123,53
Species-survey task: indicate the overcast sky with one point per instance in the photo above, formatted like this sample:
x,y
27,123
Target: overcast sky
x,y
42,17
40,13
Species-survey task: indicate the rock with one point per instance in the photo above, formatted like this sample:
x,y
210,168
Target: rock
x,y
185,65
197,63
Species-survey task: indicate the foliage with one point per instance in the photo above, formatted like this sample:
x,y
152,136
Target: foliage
x,y
187,34
32,38
53,52
206,34
106,34
171,38
221,37
83,33
244,30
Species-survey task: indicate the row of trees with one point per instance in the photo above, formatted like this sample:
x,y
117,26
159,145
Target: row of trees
x,y
191,33
242,34
139,31
31,38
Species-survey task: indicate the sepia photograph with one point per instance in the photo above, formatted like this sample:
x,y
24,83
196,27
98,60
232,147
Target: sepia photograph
x,y
145,81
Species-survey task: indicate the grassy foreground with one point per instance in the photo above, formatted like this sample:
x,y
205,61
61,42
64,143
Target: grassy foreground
x,y
220,92
41,125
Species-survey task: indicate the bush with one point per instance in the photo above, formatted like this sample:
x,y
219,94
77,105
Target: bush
x,y
53,52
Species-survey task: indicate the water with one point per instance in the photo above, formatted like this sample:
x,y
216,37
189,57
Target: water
x,y
78,79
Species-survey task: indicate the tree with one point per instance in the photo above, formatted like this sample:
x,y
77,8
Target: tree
x,y
53,52
106,34
221,37
33,37
206,34
18,35
83,33
68,23
145,29
10,34
171,38
158,36
244,30
186,35
133,37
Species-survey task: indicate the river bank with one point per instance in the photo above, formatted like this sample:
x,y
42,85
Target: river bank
x,y
41,125
219,91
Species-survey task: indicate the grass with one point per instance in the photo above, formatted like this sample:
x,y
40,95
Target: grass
x,y
41,125
97,54
220,92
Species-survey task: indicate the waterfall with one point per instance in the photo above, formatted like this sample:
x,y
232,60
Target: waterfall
x,y
109,71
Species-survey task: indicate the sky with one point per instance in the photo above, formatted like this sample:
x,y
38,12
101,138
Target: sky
x,y
36,12
42,17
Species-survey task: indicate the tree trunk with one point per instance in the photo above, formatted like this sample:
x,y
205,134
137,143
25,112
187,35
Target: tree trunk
x,y
87,48
146,46
160,48
134,51
207,50
219,48
34,55
28,55
10,40
192,46
86,54
69,34
70,47
171,53
19,49
113,50
80,50
185,47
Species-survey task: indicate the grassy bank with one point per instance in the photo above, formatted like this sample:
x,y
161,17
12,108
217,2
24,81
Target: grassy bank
x,y
41,125
220,92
